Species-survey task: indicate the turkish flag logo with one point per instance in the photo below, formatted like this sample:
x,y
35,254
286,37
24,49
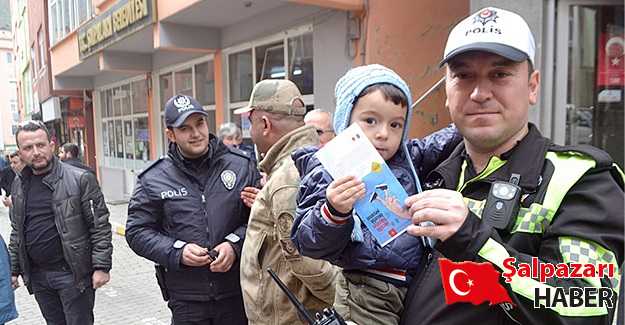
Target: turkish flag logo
x,y
472,282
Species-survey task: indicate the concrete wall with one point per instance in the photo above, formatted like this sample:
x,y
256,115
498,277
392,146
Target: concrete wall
x,y
533,12
409,37
330,59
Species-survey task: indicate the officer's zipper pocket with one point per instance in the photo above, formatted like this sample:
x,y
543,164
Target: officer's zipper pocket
x,y
425,270
95,220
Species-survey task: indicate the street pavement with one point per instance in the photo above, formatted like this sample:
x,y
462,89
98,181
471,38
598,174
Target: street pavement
x,y
131,297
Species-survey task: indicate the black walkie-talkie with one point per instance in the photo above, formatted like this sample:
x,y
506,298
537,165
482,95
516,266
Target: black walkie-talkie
x,y
327,317
502,204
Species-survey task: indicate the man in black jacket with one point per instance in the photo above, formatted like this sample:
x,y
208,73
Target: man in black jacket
x,y
61,239
69,153
186,215
569,199
7,175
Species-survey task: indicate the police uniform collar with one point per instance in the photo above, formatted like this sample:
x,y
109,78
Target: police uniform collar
x,y
527,158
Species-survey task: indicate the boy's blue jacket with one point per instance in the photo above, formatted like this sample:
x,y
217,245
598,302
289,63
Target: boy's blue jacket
x,y
315,237
7,297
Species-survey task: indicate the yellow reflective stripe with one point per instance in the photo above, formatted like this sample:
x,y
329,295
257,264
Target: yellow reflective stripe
x,y
578,250
531,220
494,163
569,168
475,206
620,171
495,253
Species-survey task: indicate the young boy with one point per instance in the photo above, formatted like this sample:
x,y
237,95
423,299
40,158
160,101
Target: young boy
x,y
374,278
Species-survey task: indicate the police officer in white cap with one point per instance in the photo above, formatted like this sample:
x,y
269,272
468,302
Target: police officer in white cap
x,y
560,204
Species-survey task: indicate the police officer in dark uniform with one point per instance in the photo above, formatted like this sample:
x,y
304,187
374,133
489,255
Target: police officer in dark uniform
x,y
186,215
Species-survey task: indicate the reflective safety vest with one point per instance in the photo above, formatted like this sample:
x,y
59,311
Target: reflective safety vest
x,y
569,167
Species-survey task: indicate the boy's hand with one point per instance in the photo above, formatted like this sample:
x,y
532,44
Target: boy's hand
x,y
343,192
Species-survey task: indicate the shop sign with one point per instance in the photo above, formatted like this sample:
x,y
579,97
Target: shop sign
x,y
120,21
76,122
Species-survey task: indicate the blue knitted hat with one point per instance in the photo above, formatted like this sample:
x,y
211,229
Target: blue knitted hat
x,y
354,82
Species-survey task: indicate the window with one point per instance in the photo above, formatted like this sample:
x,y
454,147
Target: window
x,y
287,55
301,62
125,130
184,82
42,49
270,62
9,57
33,60
240,75
205,83
66,15
195,79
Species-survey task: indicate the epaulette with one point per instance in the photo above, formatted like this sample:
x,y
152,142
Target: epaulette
x,y
151,165
602,158
239,152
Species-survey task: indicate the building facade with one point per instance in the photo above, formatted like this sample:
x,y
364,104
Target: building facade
x,y
21,51
132,55
9,114
65,111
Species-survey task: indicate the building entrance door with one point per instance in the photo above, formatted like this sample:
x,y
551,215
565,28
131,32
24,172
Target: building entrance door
x,y
590,75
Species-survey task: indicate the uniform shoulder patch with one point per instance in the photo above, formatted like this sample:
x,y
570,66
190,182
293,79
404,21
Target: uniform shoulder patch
x,y
154,163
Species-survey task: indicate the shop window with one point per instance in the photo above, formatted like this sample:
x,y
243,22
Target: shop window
x,y
240,75
142,139
301,62
139,99
105,139
184,82
270,62
205,83
111,138
124,97
125,127
129,149
119,140
166,88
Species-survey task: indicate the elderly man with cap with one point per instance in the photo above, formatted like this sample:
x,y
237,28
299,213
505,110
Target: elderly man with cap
x,y
508,195
276,113
186,216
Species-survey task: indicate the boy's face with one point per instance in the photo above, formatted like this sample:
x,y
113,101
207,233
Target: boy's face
x,y
382,121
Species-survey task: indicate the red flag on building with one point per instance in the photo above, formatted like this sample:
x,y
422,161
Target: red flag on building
x,y
472,282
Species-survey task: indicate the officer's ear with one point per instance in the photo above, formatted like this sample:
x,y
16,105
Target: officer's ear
x,y
169,132
266,125
534,86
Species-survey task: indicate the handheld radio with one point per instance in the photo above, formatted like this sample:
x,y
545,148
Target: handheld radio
x,y
327,317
